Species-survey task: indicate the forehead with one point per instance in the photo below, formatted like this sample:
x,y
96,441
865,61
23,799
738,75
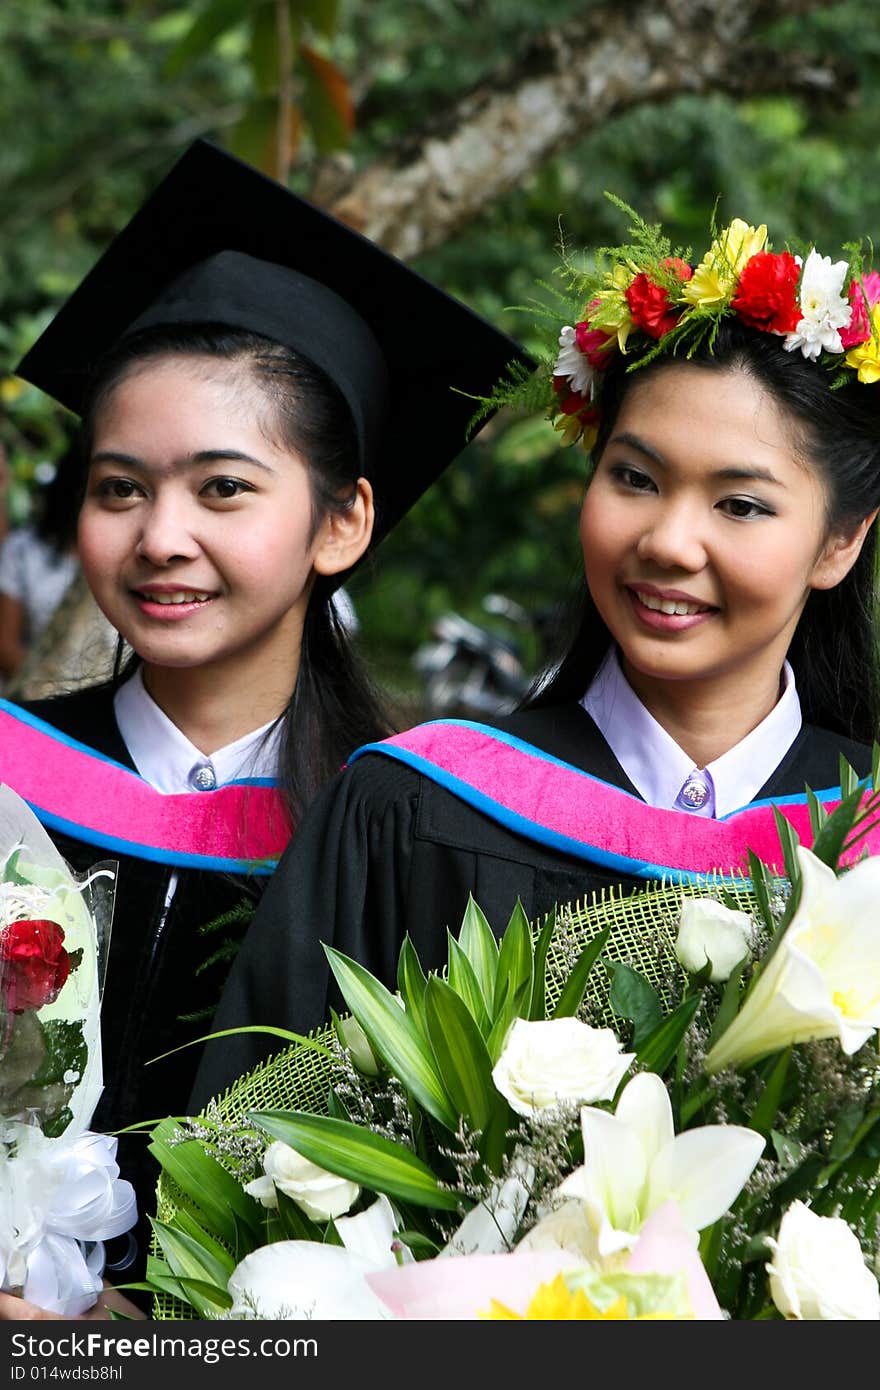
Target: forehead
x,y
188,389
722,417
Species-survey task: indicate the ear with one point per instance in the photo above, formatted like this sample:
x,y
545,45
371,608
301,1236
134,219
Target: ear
x,y
840,554
344,536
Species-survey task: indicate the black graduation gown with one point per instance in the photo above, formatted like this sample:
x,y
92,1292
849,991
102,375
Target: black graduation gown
x,y
158,973
384,851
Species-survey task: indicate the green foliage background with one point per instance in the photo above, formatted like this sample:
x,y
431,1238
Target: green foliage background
x,y
95,108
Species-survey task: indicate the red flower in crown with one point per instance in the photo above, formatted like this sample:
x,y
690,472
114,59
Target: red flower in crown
x,y
34,965
766,296
570,402
651,308
858,330
594,344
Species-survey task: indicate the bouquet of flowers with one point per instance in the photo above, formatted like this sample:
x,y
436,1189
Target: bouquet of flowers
x,y
60,1191
658,1106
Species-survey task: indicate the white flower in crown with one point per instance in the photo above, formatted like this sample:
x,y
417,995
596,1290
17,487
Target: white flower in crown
x,y
573,365
824,311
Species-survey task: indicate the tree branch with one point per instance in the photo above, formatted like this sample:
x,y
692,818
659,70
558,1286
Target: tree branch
x,y
567,82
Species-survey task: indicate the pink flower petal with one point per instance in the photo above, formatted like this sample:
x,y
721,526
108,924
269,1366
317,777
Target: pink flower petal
x,y
665,1246
459,1289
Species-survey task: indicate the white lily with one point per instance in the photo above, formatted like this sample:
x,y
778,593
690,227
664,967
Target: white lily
x,y
293,1279
634,1162
823,981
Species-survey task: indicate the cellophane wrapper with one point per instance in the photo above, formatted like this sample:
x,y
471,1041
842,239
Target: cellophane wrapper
x,y
61,1194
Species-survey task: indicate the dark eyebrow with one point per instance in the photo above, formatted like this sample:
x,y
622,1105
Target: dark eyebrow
x,y
203,456
747,473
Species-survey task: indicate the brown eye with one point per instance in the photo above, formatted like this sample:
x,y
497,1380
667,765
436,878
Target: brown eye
x,y
225,488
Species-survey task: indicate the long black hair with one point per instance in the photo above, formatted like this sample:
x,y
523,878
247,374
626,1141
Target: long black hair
x,y
335,706
834,651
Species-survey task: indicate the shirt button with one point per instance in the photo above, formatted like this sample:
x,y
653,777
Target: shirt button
x,y
695,792
203,778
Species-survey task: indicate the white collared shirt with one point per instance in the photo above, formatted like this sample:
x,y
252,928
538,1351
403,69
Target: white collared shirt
x,y
661,771
166,759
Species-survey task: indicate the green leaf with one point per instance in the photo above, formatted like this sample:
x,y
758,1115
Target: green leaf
x,y
323,15
477,940
411,981
632,997
762,887
326,101
214,20
461,1054
730,1000
206,1182
828,843
418,1243
264,51
515,960
818,814
377,1163
658,1048
767,1108
572,995
789,840
190,1260
848,778
463,980
538,1003
393,1036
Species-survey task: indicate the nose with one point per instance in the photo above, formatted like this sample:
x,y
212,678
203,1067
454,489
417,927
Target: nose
x,y
166,533
672,538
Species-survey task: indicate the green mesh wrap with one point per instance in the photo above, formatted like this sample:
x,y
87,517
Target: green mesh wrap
x,y
643,929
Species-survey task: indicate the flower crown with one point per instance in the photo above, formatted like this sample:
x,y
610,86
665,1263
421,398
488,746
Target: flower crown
x,y
645,299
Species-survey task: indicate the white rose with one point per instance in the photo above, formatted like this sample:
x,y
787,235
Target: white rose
x,y
818,1270
320,1194
558,1060
707,930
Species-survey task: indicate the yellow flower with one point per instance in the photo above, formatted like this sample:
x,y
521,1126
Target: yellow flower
x,y
10,389
714,280
556,1303
866,357
610,311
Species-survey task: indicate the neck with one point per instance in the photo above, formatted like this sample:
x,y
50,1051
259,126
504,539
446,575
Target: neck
x,y
213,707
707,718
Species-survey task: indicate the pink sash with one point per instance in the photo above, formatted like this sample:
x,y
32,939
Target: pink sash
x,y
240,827
556,804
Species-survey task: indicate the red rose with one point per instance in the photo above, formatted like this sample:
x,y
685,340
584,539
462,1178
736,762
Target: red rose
x,y
33,965
594,344
650,306
766,296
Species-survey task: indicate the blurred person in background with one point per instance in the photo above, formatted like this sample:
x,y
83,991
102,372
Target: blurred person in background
x,y
38,562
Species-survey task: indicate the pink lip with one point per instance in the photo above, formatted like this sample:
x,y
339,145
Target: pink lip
x,y
166,612
674,595
666,622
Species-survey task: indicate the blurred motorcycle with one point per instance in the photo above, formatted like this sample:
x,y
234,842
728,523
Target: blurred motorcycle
x,y
469,671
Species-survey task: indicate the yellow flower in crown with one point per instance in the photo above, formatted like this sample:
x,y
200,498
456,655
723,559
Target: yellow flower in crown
x,y
609,311
715,278
866,357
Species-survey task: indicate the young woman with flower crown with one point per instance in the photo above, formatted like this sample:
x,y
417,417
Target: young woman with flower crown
x,y
724,652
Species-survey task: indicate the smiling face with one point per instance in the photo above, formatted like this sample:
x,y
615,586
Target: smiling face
x,y
703,534
196,531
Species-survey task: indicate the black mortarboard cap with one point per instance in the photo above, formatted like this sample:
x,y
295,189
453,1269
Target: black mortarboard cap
x,y
219,242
